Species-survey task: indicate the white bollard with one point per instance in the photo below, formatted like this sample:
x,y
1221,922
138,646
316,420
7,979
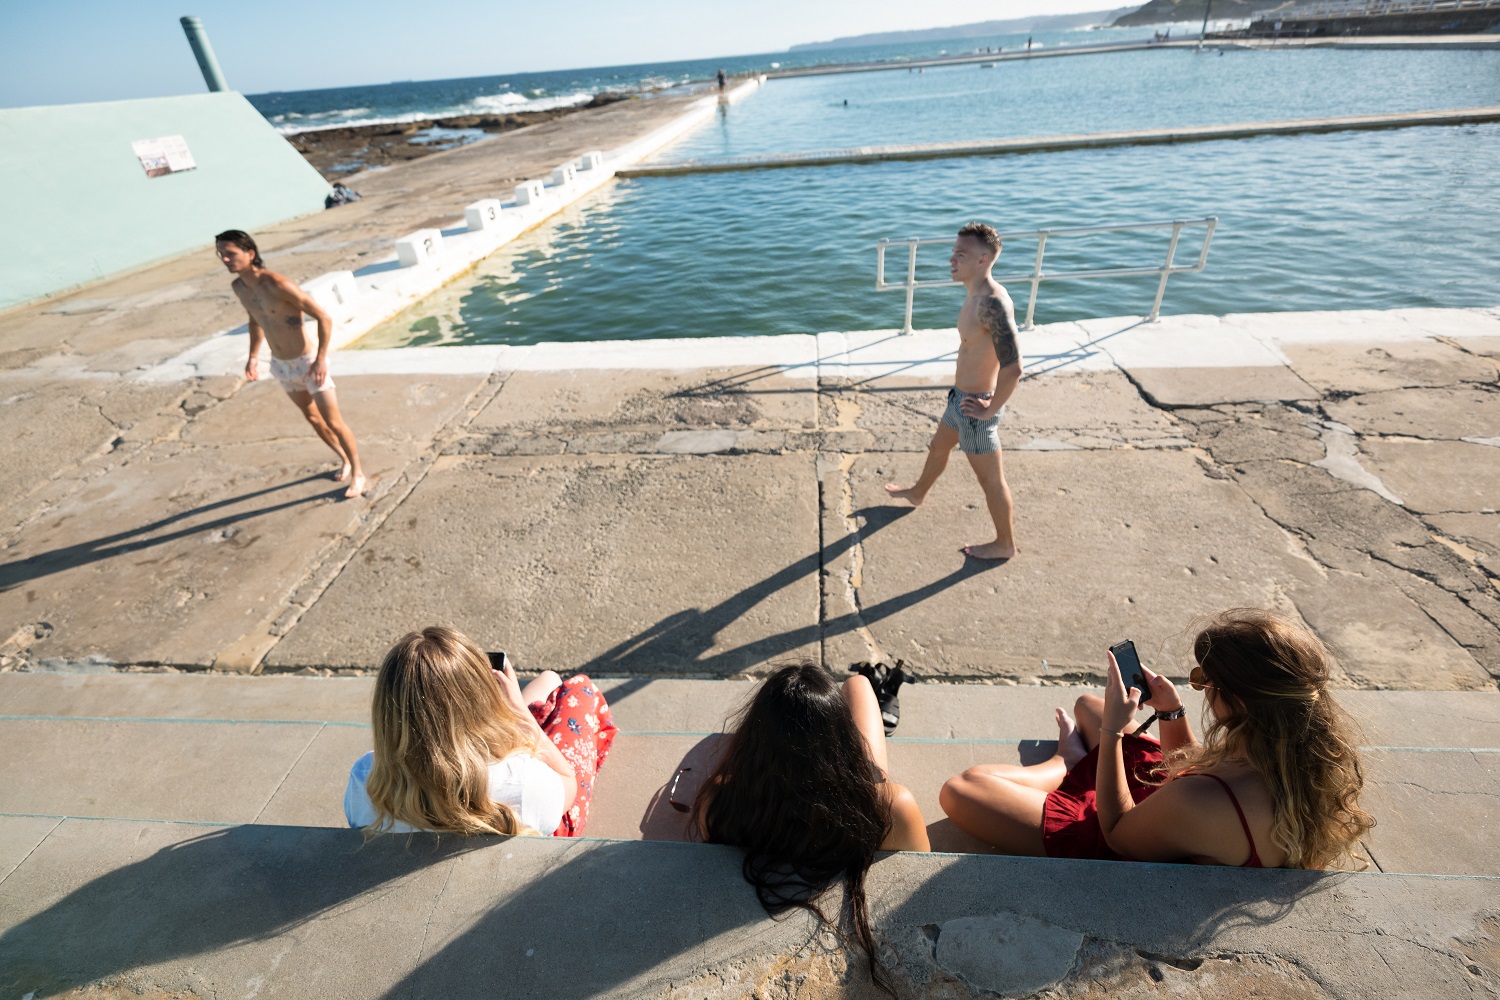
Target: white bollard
x,y
529,192
483,214
593,160
564,175
337,292
419,247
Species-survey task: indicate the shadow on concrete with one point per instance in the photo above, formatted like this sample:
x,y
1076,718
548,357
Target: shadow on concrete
x,y
230,887
121,543
605,916
668,815
683,639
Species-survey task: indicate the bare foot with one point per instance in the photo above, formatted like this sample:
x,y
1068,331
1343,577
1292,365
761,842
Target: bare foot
x,y
991,552
343,474
910,495
356,487
1070,744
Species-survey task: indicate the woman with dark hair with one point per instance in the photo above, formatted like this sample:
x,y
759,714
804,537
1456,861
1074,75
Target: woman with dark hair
x,y
801,787
1274,784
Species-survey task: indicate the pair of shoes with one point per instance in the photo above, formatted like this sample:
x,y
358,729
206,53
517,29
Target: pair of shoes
x,y
887,683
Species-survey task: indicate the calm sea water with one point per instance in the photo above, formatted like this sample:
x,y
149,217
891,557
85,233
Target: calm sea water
x,y
1339,221
408,100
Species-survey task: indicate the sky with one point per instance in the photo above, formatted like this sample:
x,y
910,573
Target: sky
x,y
66,51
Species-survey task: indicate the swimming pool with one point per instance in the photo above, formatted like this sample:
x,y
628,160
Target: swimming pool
x,y
1338,221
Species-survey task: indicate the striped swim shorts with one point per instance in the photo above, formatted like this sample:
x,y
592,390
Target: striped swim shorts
x,y
975,437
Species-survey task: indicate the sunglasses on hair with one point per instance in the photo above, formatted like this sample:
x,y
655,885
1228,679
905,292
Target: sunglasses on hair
x,y
1198,680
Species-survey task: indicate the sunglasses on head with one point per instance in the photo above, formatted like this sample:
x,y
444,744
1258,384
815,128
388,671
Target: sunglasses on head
x,y
1198,679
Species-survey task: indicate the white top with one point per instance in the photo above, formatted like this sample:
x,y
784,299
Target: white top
x,y
525,783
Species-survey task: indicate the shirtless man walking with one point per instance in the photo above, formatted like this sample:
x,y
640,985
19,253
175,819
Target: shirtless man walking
x,y
276,306
989,368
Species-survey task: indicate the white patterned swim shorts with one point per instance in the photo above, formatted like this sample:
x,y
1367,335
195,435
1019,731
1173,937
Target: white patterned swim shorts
x,y
295,374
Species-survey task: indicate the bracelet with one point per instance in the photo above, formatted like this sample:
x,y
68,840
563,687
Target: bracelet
x,y
1112,732
1171,716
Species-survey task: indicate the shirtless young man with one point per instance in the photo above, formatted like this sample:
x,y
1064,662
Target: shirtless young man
x,y
989,367
276,305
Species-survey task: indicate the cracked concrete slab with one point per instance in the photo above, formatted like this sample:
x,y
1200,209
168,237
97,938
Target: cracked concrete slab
x,y
19,836
389,408
175,555
1174,387
1437,476
559,402
1441,414
1406,792
1383,366
1143,540
1478,533
587,563
53,426
1382,639
1060,412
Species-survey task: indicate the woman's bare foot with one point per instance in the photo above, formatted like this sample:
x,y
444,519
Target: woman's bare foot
x,y
991,551
343,474
1070,745
356,487
910,494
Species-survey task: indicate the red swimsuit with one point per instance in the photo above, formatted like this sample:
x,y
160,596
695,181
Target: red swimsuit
x,y
1070,817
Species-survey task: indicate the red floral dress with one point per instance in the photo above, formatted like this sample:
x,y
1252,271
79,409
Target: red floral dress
x,y
576,718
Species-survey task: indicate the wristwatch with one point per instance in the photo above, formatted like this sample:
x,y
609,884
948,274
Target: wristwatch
x,y
1171,716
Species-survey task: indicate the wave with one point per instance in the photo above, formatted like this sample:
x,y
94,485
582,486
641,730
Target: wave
x,y
292,123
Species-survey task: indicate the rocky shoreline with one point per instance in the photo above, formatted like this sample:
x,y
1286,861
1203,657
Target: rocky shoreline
x,y
338,153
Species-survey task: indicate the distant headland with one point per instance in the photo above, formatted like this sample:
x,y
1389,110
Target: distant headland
x,y
981,29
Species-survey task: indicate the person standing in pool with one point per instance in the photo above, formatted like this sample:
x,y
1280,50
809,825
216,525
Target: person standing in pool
x,y
988,371
276,305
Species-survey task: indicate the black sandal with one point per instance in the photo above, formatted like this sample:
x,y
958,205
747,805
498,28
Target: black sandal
x,y
890,704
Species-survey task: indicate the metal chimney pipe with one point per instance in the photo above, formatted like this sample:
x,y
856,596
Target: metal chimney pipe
x,y
207,62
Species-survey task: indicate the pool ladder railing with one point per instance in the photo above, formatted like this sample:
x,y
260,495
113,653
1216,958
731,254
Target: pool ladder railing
x,y
1168,266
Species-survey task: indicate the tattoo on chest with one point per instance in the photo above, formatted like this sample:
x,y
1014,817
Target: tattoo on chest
x,y
294,322
1002,327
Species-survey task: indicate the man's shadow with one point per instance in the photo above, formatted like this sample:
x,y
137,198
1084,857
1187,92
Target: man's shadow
x,y
684,639
67,557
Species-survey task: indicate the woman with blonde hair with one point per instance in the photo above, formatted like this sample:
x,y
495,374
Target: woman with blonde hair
x,y
463,748
1274,784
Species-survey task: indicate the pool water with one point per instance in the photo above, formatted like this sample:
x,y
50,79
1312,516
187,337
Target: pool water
x,y
1348,220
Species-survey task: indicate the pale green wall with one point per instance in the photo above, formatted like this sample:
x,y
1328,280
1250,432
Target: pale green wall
x,y
76,205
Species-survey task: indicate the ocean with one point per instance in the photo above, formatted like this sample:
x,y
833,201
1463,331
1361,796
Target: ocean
x,y
415,100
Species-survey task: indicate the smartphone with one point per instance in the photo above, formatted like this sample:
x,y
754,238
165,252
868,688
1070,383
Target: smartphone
x,y
498,661
1130,667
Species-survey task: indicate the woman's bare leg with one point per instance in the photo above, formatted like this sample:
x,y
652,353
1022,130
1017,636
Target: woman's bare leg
x,y
1088,710
997,810
865,708
540,686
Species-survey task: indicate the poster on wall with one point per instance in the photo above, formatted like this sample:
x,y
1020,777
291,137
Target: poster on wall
x,y
167,155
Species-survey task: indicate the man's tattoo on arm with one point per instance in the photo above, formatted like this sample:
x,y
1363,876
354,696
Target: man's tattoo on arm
x,y
1002,326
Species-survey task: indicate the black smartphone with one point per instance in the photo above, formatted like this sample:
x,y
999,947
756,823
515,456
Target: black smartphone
x,y
497,660
1130,667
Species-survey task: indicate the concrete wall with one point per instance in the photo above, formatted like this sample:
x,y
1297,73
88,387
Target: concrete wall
x,y
76,204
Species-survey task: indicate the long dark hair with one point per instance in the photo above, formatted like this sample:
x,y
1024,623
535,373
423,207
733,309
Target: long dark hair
x,y
795,789
244,241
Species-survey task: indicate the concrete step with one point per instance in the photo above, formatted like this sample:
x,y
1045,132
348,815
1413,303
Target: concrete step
x,y
230,750
156,909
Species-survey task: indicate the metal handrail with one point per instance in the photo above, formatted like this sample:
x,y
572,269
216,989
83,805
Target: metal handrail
x,y
1037,275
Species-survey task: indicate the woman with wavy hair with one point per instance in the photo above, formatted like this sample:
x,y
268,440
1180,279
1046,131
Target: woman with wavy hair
x,y
1274,784
463,748
801,787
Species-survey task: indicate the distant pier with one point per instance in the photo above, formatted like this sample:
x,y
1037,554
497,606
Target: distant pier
x,y
1053,143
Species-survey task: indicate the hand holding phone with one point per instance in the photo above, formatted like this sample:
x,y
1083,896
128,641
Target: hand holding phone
x,y
1130,668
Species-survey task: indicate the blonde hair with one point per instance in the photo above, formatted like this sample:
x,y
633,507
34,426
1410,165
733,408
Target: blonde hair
x,y
1269,676
440,721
